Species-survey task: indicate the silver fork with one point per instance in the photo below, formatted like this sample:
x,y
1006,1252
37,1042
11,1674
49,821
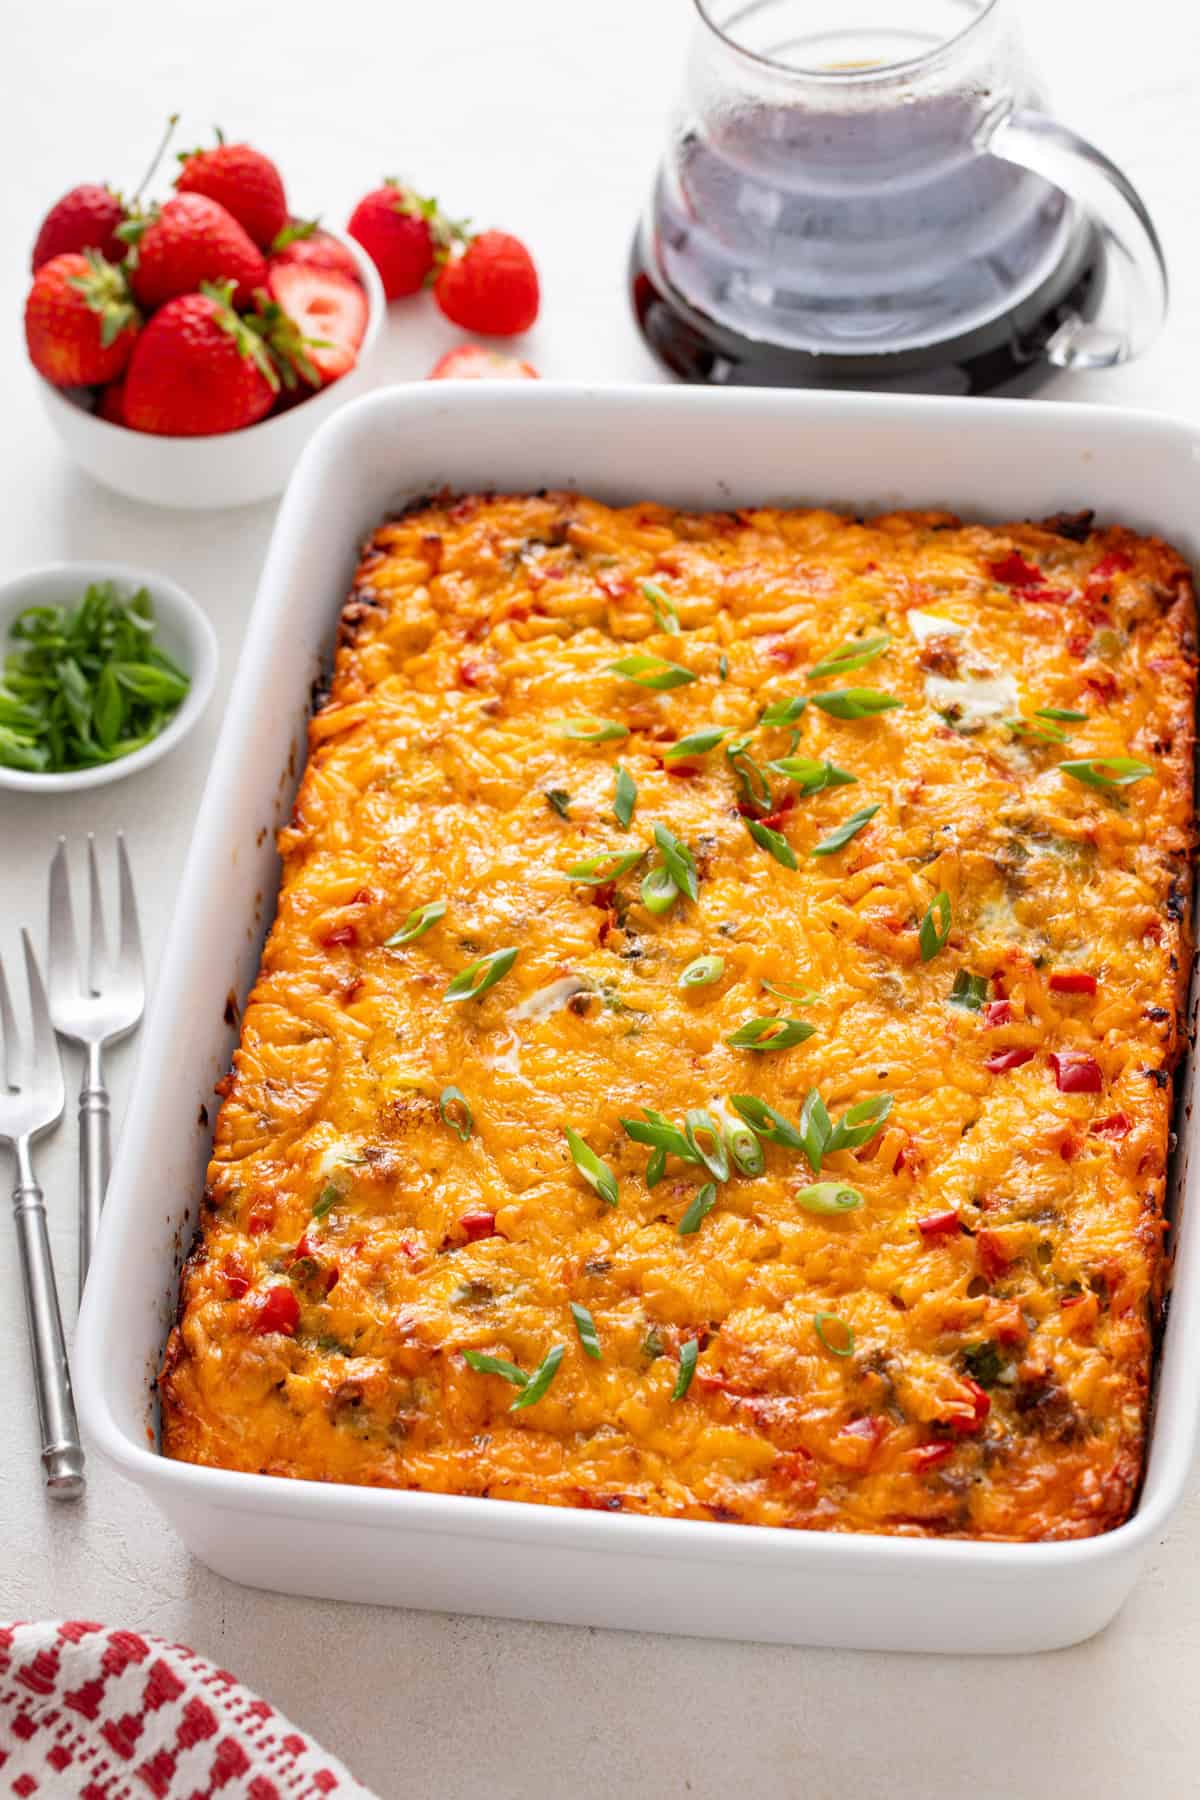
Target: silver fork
x,y
94,1012
31,1101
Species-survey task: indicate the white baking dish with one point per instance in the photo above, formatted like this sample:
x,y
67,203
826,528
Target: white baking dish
x,y
998,459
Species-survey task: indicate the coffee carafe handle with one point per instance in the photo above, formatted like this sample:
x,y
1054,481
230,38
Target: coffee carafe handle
x,y
1131,318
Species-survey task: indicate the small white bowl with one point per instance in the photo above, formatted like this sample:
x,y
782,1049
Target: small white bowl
x,y
181,629
235,468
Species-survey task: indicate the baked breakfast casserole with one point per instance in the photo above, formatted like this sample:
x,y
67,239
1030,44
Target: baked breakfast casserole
x,y
713,1054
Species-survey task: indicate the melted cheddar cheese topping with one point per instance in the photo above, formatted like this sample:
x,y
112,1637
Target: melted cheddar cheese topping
x,y
967,1352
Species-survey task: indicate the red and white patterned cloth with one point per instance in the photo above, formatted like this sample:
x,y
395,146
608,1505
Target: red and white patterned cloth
x,y
114,1715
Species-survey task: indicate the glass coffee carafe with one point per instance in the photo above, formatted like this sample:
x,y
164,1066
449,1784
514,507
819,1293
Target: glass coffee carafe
x,y
870,193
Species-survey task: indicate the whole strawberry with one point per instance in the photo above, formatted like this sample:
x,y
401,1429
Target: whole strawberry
x,y
199,369
191,240
305,244
492,288
85,219
406,236
80,323
242,180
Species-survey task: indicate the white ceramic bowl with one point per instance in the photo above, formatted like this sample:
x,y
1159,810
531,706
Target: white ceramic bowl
x,y
232,469
181,629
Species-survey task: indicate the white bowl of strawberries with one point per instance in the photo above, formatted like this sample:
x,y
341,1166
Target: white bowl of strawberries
x,y
187,352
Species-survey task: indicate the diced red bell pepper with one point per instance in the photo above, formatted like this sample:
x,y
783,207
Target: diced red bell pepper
x,y
1115,1126
338,936
996,1012
1001,1061
1072,981
279,1311
1075,1072
989,1251
981,1405
939,1225
928,1456
476,1225
1013,571
237,1282
1114,562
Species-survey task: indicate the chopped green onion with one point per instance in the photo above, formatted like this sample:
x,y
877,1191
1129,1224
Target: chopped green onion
x,y
935,926
755,788
417,923
844,1330
699,1125
850,656
984,1361
783,712
658,891
766,1122
608,865
495,1365
697,743
745,1151
969,991
723,666
859,1124
679,862
656,1168
805,996
1045,734
828,1197
1107,771
665,615
624,798
840,837
592,730
558,801
770,1034
651,671
702,971
816,1129
810,776
660,1134
688,1352
698,1211
855,703
540,1380
456,1112
1060,712
774,841
585,1325
474,981
329,1198
594,1170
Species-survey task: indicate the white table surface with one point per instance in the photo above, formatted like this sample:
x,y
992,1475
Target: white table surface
x,y
543,116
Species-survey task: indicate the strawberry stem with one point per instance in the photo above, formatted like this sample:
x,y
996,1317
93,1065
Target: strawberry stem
x,y
167,135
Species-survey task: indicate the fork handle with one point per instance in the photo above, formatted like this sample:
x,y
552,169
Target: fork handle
x,y
94,1157
62,1452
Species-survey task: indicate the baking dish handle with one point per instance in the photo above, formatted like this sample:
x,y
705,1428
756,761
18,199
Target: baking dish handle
x,y
1130,320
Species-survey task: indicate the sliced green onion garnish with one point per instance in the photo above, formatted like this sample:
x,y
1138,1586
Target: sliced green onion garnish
x,y
658,891
594,1170
329,1198
651,671
702,971
828,1197
608,865
723,666
745,1151
624,798
766,1122
774,841
698,1126
1045,734
969,991
592,731
839,838
850,656
495,1365
755,788
665,615
935,926
474,981
660,1134
810,776
770,1034
783,712
688,1352
559,801
821,1324
1060,712
656,1168
417,923
698,1211
855,703
456,1112
816,1128
697,743
585,1325
679,862
859,1124
540,1380
801,997
1107,771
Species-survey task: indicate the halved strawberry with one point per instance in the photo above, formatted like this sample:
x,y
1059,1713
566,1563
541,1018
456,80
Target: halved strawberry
x,y
303,241
472,362
329,311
